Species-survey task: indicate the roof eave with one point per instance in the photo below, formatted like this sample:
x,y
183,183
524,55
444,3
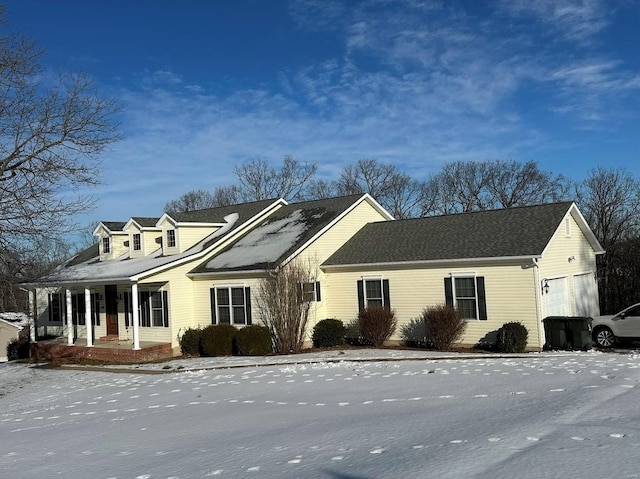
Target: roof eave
x,y
429,262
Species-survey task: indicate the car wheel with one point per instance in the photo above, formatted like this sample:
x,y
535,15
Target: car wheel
x,y
604,338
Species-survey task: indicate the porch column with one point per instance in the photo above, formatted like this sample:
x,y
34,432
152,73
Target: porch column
x,y
69,319
135,316
88,317
33,311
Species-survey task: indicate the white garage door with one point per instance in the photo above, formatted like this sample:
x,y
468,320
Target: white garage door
x,y
556,298
586,295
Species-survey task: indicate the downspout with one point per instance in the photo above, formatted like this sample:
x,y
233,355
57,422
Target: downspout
x,y
536,280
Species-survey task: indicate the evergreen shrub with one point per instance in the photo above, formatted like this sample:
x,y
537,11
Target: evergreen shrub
x,y
512,338
190,342
254,340
217,340
328,333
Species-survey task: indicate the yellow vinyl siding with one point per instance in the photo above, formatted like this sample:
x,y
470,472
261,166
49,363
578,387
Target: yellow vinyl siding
x,y
509,289
187,236
556,263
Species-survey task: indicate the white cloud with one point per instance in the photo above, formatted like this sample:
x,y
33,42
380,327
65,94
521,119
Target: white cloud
x,y
423,85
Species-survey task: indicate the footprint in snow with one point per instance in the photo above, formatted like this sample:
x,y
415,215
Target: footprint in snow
x,y
337,458
297,460
578,438
495,439
378,450
617,435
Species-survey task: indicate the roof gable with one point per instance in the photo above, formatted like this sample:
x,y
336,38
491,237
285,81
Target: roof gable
x,y
512,232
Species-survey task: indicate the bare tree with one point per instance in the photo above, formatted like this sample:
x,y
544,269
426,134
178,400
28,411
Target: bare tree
x,y
259,181
398,192
610,201
461,187
282,308
191,201
50,141
510,184
366,176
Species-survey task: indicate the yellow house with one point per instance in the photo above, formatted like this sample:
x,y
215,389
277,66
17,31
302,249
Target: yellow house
x,y
517,264
149,279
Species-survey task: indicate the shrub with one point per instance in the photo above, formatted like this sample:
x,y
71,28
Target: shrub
x,y
444,325
217,340
376,325
254,341
414,333
352,334
18,348
190,342
328,333
512,338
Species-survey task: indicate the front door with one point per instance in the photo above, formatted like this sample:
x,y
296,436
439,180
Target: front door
x,y
111,309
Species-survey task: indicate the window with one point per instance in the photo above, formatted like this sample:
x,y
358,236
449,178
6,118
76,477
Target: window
x,y
466,294
231,305
171,238
136,242
310,291
78,309
153,309
56,307
106,245
373,292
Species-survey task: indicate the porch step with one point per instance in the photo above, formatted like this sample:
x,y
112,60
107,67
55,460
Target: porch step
x,y
111,337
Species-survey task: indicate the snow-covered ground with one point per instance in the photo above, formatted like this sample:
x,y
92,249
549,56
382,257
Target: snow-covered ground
x,y
541,416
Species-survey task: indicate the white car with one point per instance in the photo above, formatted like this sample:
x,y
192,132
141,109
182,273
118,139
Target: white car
x,y
625,326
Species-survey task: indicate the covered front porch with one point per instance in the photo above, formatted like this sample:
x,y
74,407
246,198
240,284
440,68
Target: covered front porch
x,y
58,351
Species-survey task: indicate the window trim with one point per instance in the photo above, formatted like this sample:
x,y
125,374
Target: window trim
x,y
106,245
451,297
145,315
363,301
312,292
171,238
136,239
246,304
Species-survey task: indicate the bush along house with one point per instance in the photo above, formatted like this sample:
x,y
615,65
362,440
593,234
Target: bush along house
x,y
149,279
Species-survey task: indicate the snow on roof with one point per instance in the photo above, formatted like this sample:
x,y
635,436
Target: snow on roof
x,y
124,267
264,244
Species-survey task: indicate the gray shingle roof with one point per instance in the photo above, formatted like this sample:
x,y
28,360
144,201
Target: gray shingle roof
x,y
513,232
278,236
216,215
114,225
145,222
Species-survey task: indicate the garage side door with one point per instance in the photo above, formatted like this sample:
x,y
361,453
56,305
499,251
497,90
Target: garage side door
x,y
586,295
556,299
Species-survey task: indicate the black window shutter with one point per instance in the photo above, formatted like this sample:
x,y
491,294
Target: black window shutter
x,y
247,301
385,294
145,319
318,291
125,298
482,301
360,295
165,307
50,307
448,292
212,295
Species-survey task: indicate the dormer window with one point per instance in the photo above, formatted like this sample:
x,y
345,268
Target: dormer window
x,y
171,238
106,245
136,242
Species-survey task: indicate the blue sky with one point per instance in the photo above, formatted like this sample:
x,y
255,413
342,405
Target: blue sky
x,y
205,85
